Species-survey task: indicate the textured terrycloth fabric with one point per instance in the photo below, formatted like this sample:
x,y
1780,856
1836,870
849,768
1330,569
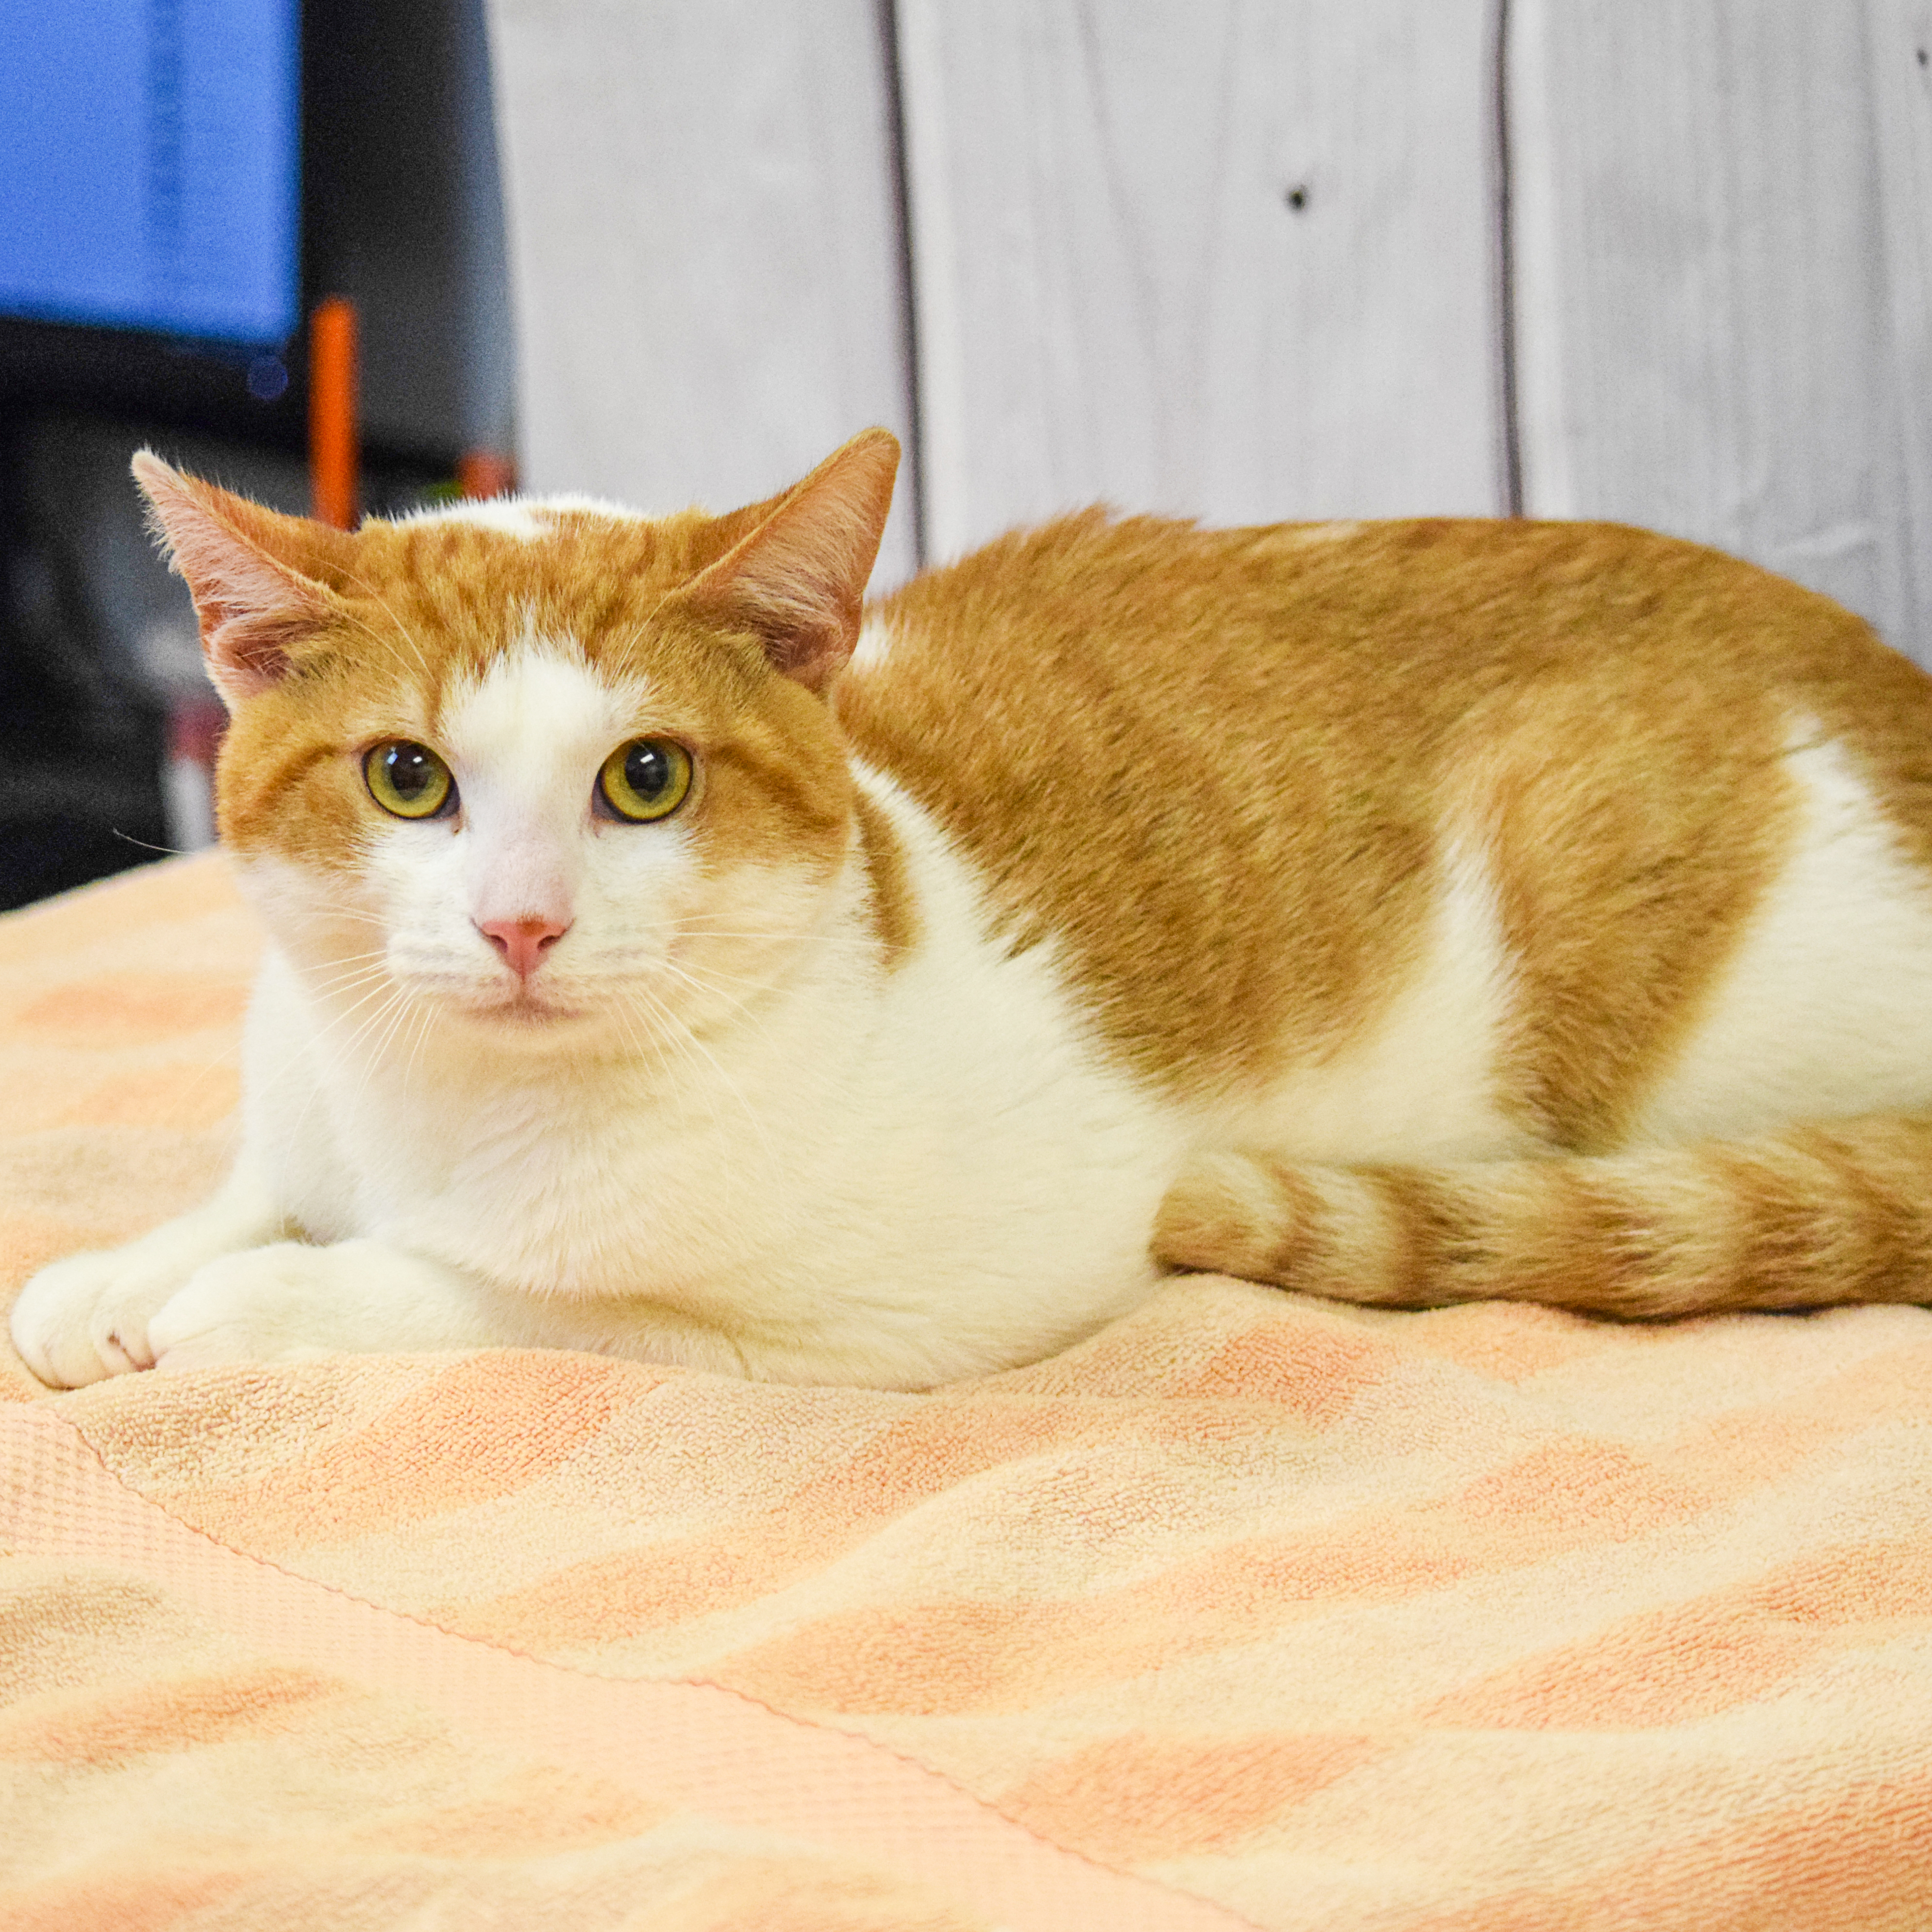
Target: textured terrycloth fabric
x,y
1251,1610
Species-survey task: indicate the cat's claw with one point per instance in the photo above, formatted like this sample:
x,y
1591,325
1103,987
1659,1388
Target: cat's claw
x,y
84,1318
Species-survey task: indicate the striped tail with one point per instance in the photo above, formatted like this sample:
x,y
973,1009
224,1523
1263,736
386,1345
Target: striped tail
x,y
1812,1215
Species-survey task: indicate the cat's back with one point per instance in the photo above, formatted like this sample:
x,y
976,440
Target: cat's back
x,y
1232,774
1419,635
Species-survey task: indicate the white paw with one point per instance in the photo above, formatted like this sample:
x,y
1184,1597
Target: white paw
x,y
271,1304
87,1317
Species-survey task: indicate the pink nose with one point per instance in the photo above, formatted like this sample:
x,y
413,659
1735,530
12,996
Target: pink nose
x,y
522,942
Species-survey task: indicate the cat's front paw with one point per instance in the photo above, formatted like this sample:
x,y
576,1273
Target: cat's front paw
x,y
85,1317
271,1304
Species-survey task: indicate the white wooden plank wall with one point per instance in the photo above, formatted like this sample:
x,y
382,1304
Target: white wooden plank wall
x,y
1722,247
1721,293
1207,255
702,202
1900,46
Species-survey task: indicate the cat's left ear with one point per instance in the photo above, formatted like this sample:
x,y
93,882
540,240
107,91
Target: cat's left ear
x,y
797,581
247,569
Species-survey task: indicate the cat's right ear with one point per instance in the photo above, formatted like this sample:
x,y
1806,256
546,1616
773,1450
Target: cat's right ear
x,y
243,567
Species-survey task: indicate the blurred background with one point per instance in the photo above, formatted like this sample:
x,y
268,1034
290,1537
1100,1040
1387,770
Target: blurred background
x,y
1663,261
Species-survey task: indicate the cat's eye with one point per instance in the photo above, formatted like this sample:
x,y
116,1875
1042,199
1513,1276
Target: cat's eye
x,y
646,779
408,779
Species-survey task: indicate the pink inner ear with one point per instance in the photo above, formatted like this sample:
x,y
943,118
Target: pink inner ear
x,y
252,607
798,580
798,594
247,634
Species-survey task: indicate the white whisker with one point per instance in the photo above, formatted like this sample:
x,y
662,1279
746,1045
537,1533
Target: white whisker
x,y
688,1035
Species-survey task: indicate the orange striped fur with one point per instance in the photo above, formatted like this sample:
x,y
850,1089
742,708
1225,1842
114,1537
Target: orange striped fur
x,y
1826,1212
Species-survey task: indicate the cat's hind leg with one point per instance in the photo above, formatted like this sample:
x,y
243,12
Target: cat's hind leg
x,y
87,1316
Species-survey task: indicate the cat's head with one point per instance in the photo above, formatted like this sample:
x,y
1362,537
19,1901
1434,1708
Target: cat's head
x,y
531,763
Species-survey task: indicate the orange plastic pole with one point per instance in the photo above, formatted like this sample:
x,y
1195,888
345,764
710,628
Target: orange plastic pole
x,y
485,472
333,446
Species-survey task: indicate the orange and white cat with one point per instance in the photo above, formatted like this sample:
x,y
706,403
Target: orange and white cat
x,y
669,956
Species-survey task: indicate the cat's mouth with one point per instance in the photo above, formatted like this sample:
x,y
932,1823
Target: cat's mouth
x,y
526,1009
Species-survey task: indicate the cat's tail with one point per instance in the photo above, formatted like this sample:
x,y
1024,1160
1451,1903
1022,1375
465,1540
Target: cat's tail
x,y
1835,1212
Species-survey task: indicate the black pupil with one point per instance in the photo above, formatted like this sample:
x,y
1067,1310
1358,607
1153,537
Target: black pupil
x,y
411,771
647,770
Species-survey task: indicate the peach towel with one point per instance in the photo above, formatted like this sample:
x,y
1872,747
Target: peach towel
x,y
1251,1610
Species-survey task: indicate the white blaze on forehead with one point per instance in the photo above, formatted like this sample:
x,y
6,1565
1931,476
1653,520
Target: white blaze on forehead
x,y
526,741
527,517
506,515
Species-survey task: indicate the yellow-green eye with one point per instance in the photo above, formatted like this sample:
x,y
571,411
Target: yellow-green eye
x,y
407,779
646,779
